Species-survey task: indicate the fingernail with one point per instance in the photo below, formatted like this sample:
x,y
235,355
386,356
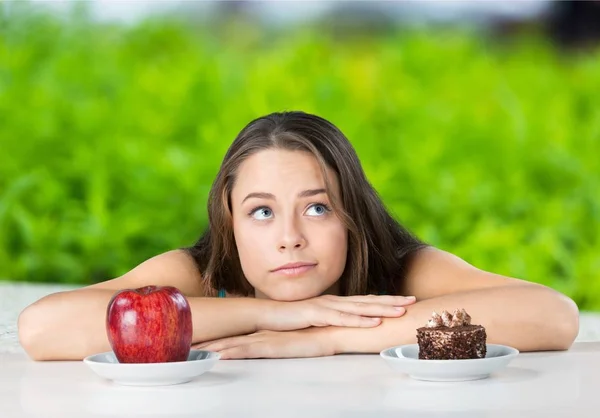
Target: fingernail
x,y
375,319
409,297
399,308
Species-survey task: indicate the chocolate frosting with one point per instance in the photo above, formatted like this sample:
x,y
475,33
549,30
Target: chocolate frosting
x,y
458,319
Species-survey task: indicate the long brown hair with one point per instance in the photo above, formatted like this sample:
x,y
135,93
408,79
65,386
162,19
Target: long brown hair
x,y
378,246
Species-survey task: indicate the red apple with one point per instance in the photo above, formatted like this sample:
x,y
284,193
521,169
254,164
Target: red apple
x,y
152,324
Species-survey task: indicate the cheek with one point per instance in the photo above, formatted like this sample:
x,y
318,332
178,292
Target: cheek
x,y
342,245
332,243
250,247
248,240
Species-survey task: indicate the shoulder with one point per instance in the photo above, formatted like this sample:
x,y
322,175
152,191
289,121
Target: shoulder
x,y
432,272
172,268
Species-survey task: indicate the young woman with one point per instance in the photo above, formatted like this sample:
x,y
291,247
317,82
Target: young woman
x,y
301,259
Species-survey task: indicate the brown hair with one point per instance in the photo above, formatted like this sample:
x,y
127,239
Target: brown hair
x,y
378,246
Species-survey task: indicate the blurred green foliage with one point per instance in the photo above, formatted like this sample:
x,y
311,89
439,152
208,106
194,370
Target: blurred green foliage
x,y
110,137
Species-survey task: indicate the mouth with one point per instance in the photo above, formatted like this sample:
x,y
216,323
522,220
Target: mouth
x,y
294,269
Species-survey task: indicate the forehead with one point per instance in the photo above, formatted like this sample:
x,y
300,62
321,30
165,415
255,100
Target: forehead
x,y
280,172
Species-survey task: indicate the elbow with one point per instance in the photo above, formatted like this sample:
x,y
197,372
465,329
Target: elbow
x,y
27,331
566,321
31,332
554,324
50,329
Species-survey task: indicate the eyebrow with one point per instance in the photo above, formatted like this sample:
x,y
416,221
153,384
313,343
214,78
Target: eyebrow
x,y
270,196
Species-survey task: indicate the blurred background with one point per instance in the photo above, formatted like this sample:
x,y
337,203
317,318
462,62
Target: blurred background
x,y
478,123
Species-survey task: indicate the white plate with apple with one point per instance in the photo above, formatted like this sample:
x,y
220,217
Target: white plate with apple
x,y
150,332
107,366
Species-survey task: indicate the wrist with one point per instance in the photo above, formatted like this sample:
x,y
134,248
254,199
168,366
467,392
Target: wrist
x,y
334,340
325,338
348,340
267,311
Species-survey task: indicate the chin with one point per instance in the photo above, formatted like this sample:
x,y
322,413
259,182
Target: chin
x,y
293,295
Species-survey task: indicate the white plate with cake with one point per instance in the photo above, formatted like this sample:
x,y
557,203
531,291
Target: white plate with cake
x,y
449,349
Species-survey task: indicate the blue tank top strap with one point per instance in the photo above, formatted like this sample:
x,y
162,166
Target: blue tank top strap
x,y
222,293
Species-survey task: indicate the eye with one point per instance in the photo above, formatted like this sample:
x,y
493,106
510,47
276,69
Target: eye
x,y
318,209
261,213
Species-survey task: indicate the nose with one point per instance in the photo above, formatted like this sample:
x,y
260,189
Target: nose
x,y
291,236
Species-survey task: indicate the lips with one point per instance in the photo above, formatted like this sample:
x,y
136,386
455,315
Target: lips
x,y
294,269
294,265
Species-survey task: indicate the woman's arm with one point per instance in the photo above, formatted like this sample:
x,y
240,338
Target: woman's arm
x,y
527,317
524,315
71,325
509,313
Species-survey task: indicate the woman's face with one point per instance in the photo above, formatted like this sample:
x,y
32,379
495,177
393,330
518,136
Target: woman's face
x,y
282,215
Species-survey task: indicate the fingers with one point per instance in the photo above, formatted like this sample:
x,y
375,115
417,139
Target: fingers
x,y
345,319
361,311
202,345
383,300
233,347
369,306
239,352
369,309
222,344
248,351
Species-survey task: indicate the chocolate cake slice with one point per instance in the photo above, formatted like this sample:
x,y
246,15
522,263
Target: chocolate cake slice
x,y
451,337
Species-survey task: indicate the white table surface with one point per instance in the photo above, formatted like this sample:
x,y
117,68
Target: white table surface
x,y
549,384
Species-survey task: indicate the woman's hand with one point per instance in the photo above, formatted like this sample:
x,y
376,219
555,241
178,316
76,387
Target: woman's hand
x,y
329,310
311,342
